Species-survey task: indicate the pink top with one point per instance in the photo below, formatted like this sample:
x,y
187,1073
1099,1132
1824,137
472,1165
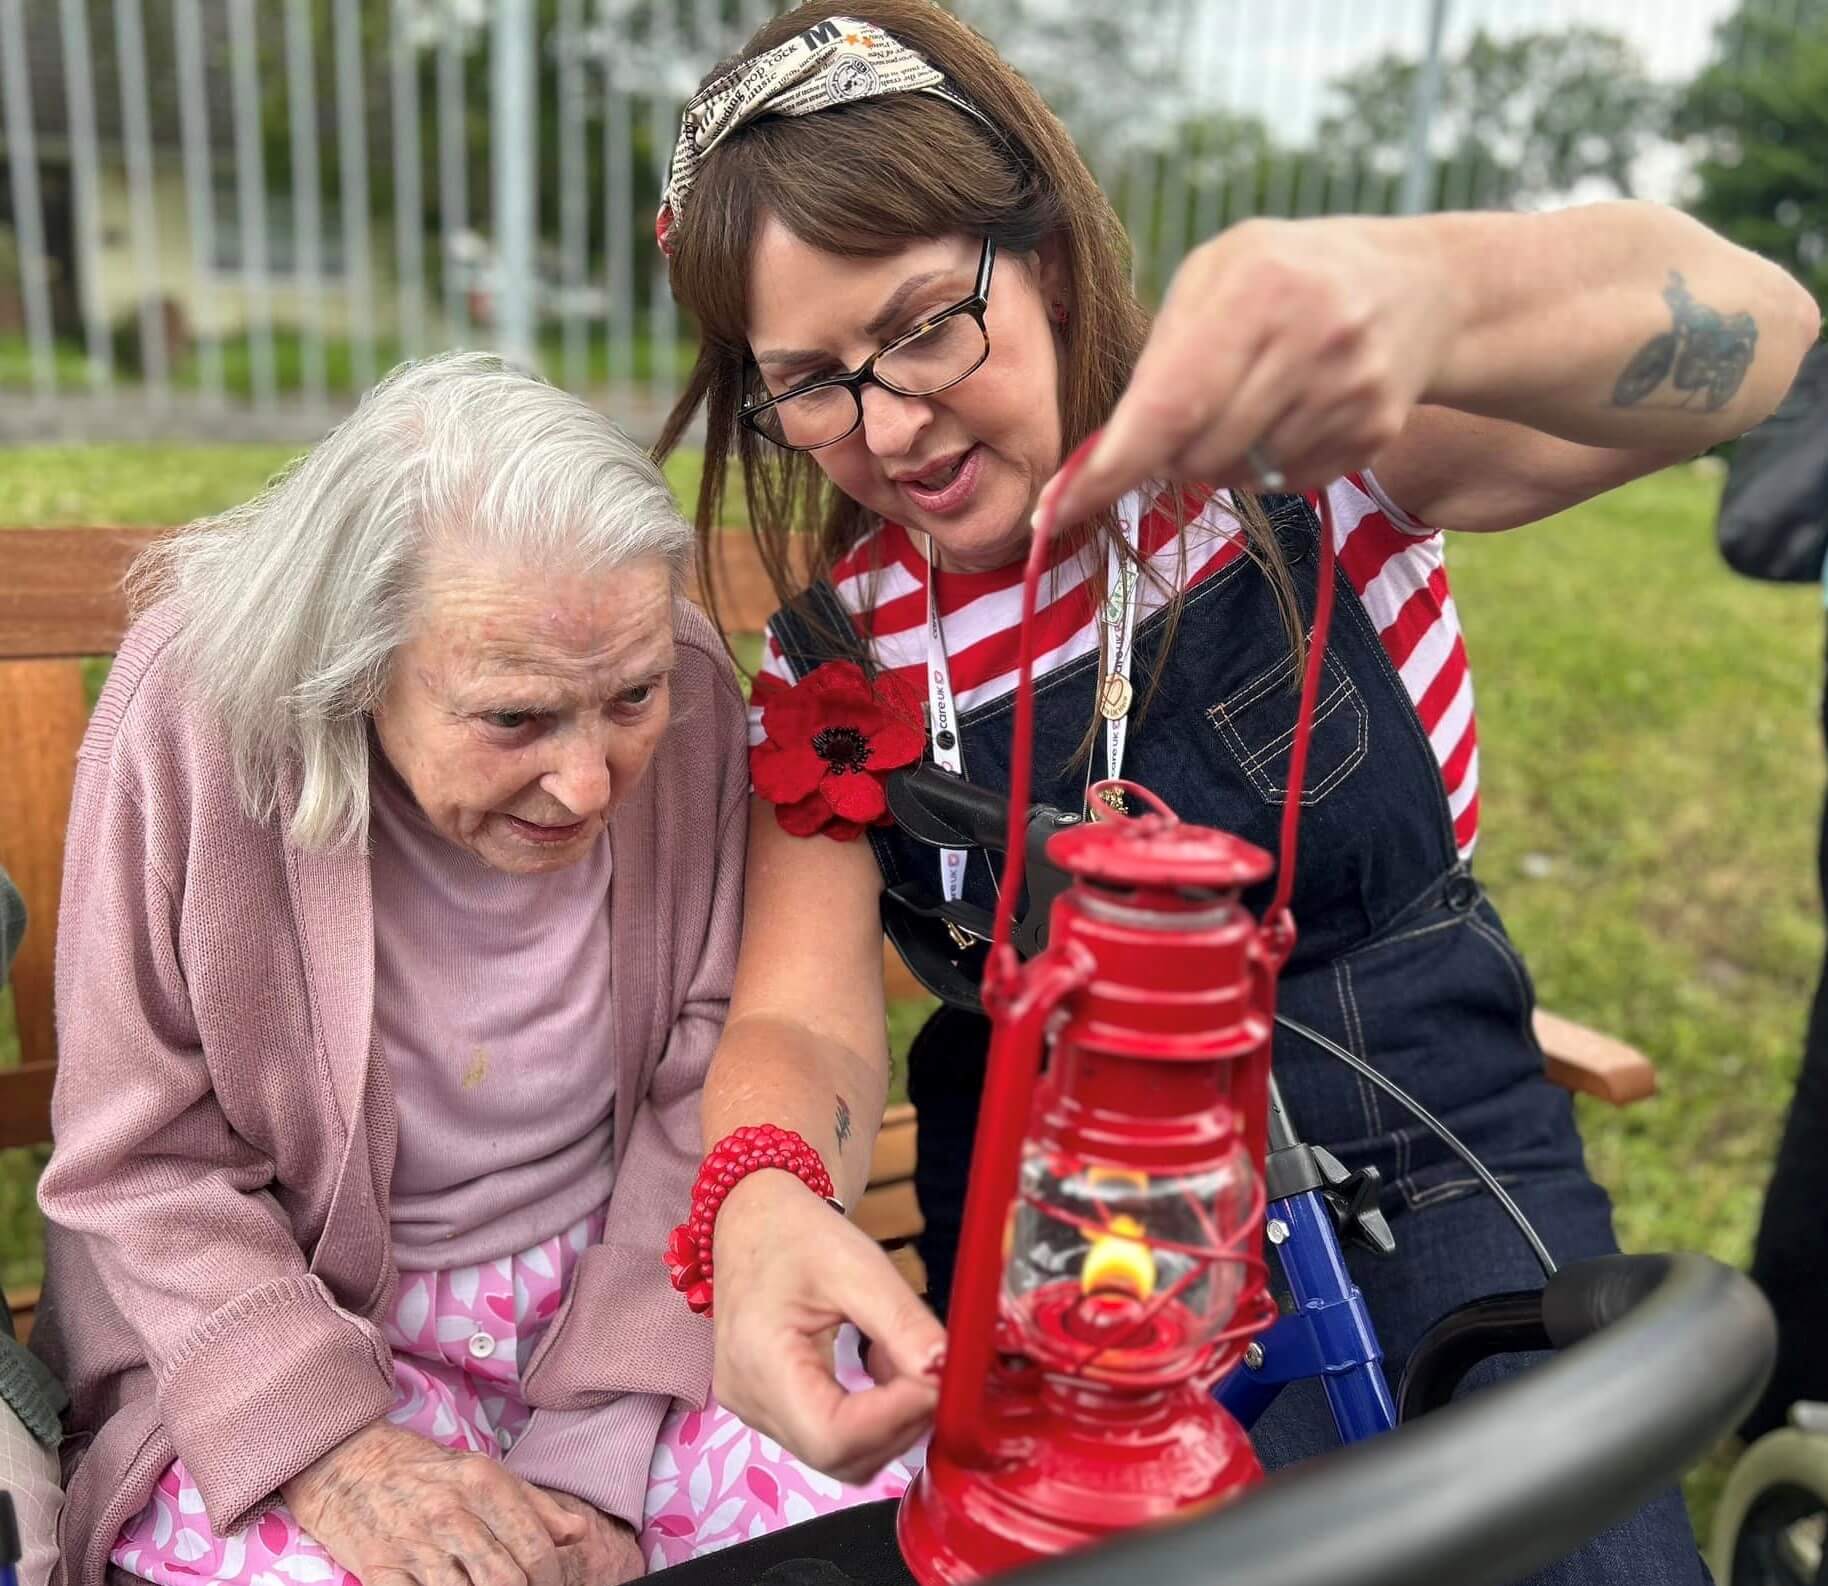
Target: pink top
x,y
219,1257
492,1001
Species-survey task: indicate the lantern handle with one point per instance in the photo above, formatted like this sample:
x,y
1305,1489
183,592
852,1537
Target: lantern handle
x,y
1278,918
1022,1007
1100,810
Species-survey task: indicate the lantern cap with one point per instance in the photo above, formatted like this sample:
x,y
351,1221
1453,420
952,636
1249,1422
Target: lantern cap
x,y
1155,849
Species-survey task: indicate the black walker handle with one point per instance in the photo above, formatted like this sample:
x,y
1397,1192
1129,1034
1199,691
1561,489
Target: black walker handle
x,y
1673,1349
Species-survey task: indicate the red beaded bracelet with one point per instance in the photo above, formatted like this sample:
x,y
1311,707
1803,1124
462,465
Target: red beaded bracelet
x,y
727,1164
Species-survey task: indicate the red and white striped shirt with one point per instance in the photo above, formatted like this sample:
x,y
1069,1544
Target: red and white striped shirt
x,y
1395,565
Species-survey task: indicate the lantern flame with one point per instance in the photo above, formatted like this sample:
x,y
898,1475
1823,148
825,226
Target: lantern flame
x,y
1119,1260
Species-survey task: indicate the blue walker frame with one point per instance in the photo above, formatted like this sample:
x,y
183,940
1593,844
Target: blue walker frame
x,y
1328,1334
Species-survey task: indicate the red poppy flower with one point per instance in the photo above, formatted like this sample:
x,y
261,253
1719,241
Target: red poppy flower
x,y
833,737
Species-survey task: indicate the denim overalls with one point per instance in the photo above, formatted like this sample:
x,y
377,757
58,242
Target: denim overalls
x,y
1401,958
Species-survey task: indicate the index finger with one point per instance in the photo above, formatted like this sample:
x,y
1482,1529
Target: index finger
x,y
1179,389
515,1513
850,1435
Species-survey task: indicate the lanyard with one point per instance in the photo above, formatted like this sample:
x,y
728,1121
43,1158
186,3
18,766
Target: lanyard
x,y
1117,631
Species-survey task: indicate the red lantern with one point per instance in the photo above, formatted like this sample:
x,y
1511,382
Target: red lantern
x,y
1109,1269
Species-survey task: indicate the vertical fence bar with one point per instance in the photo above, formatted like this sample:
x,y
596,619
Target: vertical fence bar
x,y
623,229
663,117
513,155
136,130
453,186
1280,184
1483,177
1139,172
352,184
307,202
1323,55
1452,189
1418,169
199,182
28,216
1364,174
574,197
251,202
1240,195
1176,199
79,96
409,198
1208,205
1176,189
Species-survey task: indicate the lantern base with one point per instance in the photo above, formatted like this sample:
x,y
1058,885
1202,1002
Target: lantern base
x,y
1058,1478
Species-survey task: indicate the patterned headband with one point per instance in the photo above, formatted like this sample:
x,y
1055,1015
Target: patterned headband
x,y
832,63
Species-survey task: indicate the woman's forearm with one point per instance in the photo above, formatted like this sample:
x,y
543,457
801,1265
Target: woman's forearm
x,y
770,1069
1622,325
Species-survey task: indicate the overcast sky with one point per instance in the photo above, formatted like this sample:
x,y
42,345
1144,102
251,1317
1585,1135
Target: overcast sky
x,y
1275,57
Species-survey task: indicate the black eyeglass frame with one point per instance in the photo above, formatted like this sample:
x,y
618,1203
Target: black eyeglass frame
x,y
976,305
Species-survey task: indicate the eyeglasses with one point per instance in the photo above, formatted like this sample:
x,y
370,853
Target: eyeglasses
x,y
937,353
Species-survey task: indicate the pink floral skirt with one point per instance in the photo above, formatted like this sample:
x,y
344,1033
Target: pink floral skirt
x,y
459,1341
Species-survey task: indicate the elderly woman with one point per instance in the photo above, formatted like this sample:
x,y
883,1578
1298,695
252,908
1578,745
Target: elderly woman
x,y
402,901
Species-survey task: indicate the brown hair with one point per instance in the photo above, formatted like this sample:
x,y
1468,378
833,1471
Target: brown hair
x,y
863,180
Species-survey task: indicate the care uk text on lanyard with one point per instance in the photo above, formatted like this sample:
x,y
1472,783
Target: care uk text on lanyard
x,y
1117,630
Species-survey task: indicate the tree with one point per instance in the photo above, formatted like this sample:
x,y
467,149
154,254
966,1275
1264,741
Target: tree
x,y
1757,117
1517,119
1136,53
1206,170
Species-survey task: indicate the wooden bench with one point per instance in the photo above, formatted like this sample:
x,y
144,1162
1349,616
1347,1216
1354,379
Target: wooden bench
x,y
61,601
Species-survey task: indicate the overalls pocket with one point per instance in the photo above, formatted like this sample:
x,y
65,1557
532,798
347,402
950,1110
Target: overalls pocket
x,y
1256,724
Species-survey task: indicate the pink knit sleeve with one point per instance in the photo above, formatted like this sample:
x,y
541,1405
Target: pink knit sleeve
x,y
600,1455
164,1229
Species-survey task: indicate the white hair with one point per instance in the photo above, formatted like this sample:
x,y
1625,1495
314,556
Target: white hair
x,y
292,605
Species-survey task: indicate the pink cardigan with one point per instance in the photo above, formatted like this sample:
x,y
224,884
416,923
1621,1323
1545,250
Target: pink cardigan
x,y
217,1252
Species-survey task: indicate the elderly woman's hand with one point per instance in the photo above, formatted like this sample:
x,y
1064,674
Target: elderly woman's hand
x,y
608,1553
396,1509
1286,353
789,1271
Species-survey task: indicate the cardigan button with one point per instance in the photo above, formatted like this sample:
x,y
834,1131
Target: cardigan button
x,y
482,1345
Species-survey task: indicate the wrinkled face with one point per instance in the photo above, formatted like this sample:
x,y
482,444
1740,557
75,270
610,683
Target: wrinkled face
x,y
528,703
964,465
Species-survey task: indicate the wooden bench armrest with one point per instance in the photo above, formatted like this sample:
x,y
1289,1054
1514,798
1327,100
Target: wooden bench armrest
x,y
890,1211
1578,1058
23,1304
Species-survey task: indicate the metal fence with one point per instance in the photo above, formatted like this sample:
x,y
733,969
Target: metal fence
x,y
231,215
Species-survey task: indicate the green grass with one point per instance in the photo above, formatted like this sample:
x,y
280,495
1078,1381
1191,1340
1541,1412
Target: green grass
x,y
152,485
156,485
70,367
1651,778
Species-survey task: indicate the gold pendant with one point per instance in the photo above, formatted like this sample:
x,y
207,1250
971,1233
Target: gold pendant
x,y
1114,797
1114,698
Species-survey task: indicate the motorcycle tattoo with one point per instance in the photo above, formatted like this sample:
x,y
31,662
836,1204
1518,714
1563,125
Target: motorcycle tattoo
x,y
1703,351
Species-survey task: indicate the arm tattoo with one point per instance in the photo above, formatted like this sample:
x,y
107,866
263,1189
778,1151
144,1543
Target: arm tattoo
x,y
1703,351
842,1122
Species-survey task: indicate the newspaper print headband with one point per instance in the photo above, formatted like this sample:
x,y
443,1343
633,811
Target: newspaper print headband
x,y
832,63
